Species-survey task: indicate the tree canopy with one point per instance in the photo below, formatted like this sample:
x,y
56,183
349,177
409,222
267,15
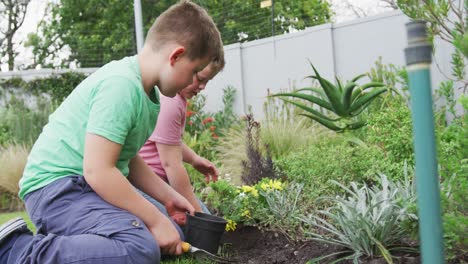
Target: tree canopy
x,y
94,32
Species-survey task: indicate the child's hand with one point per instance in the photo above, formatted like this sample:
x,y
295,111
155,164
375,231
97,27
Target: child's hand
x,y
177,207
207,168
167,237
176,214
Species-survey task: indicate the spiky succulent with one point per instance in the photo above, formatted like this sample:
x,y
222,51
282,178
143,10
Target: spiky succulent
x,y
345,102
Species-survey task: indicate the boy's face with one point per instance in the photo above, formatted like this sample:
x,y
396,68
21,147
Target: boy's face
x,y
200,80
181,73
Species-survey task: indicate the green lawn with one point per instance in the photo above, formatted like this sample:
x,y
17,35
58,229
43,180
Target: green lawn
x,y
4,217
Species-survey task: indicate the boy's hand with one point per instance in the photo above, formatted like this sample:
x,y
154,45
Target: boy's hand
x,y
177,207
167,237
205,167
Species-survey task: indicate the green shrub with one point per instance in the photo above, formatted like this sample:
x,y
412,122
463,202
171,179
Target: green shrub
x,y
269,203
220,198
453,160
57,86
333,159
390,129
198,120
276,129
455,218
453,144
21,125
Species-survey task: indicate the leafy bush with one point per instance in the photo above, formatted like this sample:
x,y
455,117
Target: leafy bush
x,y
391,130
203,129
199,120
367,221
57,86
22,125
220,198
333,158
269,203
453,159
276,129
202,143
455,218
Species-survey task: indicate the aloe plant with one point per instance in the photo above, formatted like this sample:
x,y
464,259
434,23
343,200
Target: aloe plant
x,y
345,102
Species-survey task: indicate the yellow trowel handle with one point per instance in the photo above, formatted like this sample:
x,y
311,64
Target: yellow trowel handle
x,y
186,247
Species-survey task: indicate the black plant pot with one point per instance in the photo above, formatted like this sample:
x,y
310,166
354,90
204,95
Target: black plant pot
x,y
204,231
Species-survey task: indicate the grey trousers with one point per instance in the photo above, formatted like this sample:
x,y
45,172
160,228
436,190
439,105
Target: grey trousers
x,y
77,226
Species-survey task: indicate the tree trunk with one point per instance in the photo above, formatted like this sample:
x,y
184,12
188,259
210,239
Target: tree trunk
x,y
9,38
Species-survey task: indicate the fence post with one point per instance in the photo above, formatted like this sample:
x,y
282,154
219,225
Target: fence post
x,y
138,24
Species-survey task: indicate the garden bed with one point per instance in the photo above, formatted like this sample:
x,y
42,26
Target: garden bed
x,y
251,245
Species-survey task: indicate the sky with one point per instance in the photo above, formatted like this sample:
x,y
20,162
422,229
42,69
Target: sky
x,y
36,9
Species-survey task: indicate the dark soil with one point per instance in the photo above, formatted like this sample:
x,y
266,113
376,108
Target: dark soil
x,y
250,245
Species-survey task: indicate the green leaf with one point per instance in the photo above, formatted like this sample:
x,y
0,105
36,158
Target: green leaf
x,y
366,98
360,91
355,79
357,125
311,110
327,256
332,93
310,98
385,253
348,91
316,90
325,122
338,82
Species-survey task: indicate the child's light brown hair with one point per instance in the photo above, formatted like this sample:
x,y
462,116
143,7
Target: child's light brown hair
x,y
188,25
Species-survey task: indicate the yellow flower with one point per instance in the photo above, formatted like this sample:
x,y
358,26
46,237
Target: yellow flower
x,y
255,192
247,188
231,225
264,186
246,213
276,185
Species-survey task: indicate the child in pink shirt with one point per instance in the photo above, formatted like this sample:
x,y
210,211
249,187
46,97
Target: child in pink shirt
x,y
165,151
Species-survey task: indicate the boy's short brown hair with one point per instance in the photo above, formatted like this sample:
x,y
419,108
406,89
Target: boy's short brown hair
x,y
188,25
218,61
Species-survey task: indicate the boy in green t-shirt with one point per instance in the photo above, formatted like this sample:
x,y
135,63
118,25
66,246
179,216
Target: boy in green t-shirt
x,y
77,184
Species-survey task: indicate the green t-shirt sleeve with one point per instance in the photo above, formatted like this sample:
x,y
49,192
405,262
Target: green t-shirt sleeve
x,y
113,109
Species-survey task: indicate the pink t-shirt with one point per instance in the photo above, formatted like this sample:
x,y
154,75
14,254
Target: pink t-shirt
x,y
169,130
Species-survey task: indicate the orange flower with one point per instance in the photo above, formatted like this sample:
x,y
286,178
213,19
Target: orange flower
x,y
208,120
214,136
189,113
212,128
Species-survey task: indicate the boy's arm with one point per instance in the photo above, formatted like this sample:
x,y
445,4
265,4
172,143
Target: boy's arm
x,y
171,160
201,164
100,157
142,177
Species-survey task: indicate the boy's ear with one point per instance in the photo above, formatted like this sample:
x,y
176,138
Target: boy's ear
x,y
176,54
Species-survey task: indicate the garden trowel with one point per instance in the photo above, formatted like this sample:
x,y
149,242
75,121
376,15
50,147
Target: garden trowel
x,y
187,248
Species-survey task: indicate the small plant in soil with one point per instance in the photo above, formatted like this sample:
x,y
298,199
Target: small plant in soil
x,y
256,167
